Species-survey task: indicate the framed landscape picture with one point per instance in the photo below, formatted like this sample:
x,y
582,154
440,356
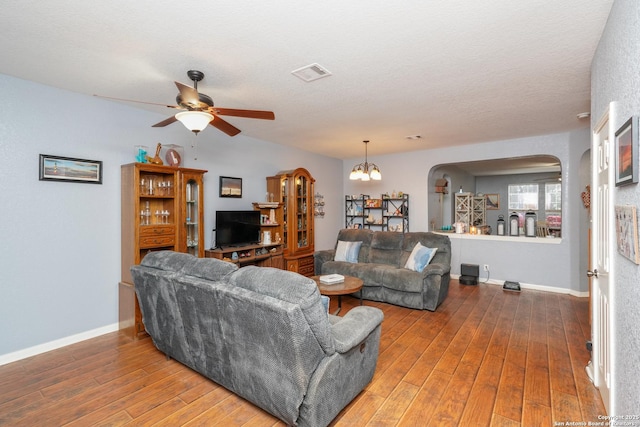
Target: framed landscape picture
x,y
230,187
627,153
56,168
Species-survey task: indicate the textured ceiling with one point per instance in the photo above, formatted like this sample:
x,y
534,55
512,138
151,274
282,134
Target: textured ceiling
x,y
455,72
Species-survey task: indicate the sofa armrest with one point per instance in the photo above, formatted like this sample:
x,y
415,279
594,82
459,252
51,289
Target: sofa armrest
x,y
320,257
355,327
436,269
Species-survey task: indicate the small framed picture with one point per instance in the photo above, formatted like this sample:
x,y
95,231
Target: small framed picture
x,y
493,201
230,187
627,153
627,232
56,168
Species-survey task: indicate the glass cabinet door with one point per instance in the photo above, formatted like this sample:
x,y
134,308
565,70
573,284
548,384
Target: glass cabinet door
x,y
302,197
192,208
191,232
285,199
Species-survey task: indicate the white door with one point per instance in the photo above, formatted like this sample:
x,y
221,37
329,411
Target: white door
x,y
602,167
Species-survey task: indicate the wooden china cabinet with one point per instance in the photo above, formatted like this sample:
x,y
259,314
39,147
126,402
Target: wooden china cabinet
x,y
161,209
294,188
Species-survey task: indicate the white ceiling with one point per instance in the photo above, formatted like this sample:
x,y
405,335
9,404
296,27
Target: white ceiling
x,y
453,71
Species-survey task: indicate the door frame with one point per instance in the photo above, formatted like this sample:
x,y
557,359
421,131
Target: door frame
x,y
608,397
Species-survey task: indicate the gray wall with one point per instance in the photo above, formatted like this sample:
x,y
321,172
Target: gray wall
x,y
60,252
490,184
615,77
60,255
458,178
499,184
412,173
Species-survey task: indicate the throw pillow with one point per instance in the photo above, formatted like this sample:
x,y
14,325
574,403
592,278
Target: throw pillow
x,y
420,257
347,251
325,302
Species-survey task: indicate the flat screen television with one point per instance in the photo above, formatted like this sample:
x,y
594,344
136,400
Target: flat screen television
x,y
237,228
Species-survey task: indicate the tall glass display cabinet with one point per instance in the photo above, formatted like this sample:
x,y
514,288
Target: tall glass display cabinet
x,y
191,231
295,189
161,209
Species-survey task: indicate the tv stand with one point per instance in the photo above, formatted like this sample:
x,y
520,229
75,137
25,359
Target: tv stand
x,y
256,254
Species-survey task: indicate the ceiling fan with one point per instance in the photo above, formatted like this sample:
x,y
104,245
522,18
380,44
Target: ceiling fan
x,y
200,111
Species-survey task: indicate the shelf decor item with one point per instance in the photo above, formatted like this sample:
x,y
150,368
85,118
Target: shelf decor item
x,y
627,153
230,187
514,224
501,225
56,168
141,153
172,154
470,210
530,219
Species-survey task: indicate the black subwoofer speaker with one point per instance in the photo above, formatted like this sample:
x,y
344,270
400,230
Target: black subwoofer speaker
x,y
469,274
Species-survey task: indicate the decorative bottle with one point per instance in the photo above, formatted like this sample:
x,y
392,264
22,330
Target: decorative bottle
x,y
147,214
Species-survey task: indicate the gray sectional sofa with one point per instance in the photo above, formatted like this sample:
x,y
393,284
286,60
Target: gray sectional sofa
x,y
380,264
260,332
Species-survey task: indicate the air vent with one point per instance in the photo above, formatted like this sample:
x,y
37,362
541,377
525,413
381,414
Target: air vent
x,y
311,72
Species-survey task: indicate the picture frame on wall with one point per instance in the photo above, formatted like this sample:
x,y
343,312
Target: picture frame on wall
x,y
627,232
69,169
230,187
493,201
626,145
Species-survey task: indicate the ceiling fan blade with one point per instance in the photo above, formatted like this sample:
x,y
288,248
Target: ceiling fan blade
x,y
224,126
140,102
251,114
188,94
165,122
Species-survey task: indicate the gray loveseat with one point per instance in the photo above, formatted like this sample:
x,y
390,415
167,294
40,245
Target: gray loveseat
x,y
381,262
260,332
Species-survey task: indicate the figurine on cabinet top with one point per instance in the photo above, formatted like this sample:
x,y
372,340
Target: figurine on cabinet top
x,y
156,160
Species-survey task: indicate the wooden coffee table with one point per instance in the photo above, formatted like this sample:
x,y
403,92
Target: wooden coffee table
x,y
350,285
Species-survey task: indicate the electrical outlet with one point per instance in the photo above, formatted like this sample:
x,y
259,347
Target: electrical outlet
x,y
486,267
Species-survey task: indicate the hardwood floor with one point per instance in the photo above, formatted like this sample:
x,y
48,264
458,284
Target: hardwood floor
x,y
486,357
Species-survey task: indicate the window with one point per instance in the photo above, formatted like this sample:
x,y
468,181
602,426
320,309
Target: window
x,y
523,197
553,196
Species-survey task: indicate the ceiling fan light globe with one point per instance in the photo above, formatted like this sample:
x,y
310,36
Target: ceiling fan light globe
x,y
195,121
356,172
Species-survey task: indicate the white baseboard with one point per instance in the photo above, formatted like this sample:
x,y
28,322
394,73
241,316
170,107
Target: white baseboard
x,y
534,287
53,345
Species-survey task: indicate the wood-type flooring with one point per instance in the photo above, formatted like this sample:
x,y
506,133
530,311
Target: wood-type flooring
x,y
485,357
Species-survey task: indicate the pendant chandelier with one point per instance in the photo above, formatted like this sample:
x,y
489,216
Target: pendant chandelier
x,y
365,171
